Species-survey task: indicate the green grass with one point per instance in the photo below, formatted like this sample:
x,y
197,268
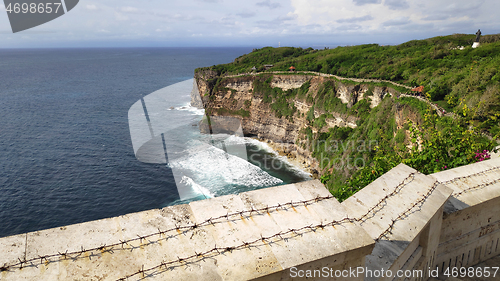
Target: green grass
x,y
448,74
451,78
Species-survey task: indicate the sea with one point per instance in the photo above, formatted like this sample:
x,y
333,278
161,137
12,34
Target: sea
x,y
77,126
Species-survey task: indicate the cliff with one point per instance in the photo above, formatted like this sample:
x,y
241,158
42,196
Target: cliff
x,y
279,107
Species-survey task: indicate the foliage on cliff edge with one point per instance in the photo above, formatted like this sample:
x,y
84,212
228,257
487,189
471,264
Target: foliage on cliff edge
x,y
447,72
399,130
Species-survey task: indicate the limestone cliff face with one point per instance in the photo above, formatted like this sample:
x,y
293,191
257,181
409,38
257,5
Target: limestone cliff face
x,y
203,84
195,97
236,97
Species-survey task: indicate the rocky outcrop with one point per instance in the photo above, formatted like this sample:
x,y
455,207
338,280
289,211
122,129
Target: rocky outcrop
x,y
195,96
286,82
235,97
204,83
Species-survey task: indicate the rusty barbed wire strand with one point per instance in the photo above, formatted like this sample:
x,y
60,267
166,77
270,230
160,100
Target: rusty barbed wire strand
x,y
434,186
210,221
471,175
310,227
410,178
405,182
476,187
402,215
47,259
407,211
121,243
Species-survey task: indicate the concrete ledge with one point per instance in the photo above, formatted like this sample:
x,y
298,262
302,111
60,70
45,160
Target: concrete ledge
x,y
472,184
405,203
471,221
337,246
395,223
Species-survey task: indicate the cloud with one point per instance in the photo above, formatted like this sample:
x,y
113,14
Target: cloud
x,y
247,14
397,21
365,2
279,21
228,21
437,17
120,17
269,4
129,9
448,10
355,19
397,4
465,7
350,27
304,22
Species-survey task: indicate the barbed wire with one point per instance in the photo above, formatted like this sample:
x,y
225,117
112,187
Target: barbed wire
x,y
211,221
314,228
404,214
471,175
406,181
476,187
47,259
419,203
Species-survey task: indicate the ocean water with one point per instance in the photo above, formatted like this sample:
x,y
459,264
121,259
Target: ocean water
x,y
66,151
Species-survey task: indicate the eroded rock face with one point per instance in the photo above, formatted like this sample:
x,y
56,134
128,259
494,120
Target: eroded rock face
x,y
202,80
236,98
286,82
195,96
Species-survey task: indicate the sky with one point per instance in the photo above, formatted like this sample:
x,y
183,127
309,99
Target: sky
x,y
254,23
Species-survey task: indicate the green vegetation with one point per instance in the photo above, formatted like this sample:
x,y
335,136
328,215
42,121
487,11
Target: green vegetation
x,y
398,130
281,101
439,144
240,112
447,73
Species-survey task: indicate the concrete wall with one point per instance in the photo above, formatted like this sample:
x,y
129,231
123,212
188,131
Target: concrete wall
x,y
471,221
402,221
406,227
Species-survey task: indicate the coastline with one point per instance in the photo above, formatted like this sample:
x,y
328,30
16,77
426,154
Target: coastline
x,y
289,151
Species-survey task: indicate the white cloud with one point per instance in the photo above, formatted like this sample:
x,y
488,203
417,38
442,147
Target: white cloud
x,y
121,17
253,22
397,4
129,9
269,4
247,14
210,1
397,21
370,16
365,2
355,19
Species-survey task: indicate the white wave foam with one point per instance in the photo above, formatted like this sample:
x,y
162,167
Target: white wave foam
x,y
265,147
215,170
196,187
187,107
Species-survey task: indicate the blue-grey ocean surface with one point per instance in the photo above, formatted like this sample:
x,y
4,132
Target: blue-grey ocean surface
x,y
65,147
